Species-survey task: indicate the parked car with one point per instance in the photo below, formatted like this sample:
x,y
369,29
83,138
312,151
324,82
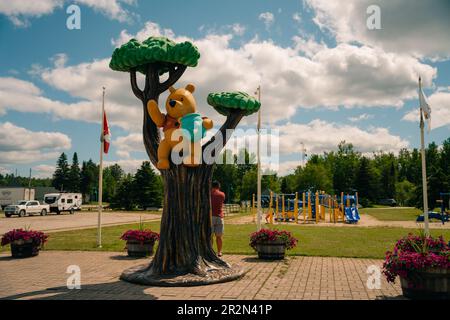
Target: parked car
x,y
25,207
388,202
64,201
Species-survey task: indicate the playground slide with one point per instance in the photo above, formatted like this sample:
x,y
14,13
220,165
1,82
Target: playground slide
x,y
351,214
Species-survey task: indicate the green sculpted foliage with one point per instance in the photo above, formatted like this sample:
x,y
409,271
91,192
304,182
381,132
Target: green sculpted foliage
x,y
135,54
224,102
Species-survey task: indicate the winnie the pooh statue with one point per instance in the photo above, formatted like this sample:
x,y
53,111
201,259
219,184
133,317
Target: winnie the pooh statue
x,y
181,114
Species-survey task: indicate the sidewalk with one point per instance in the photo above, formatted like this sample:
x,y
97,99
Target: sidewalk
x,y
44,277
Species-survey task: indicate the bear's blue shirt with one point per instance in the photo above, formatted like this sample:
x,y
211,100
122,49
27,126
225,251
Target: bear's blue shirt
x,y
193,123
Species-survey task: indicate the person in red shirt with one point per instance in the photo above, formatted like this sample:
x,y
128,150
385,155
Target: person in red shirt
x,y
217,200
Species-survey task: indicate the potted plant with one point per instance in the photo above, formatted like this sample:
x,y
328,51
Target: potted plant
x,y
272,244
423,265
24,242
140,242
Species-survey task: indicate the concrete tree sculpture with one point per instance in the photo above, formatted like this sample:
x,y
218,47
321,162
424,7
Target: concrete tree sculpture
x,y
185,255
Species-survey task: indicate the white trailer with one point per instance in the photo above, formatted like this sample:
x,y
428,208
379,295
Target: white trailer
x,y
9,196
64,201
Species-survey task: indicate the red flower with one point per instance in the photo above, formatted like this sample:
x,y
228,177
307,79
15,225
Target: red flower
x,y
36,237
416,253
265,235
140,235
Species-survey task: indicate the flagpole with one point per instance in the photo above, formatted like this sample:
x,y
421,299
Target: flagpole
x,y
424,170
100,178
259,165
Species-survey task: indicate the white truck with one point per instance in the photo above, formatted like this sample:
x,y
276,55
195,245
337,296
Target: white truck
x,y
27,207
12,195
64,201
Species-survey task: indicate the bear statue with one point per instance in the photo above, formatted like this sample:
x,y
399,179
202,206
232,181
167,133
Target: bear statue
x,y
181,114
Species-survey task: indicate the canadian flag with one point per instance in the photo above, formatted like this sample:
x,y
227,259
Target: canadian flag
x,y
106,135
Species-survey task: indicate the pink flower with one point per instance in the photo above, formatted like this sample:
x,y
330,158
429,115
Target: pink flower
x,y
140,235
36,237
265,235
416,253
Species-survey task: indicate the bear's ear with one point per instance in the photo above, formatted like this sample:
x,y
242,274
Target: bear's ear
x,y
172,89
190,87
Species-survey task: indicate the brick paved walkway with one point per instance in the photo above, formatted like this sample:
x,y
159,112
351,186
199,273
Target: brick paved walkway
x,y
44,277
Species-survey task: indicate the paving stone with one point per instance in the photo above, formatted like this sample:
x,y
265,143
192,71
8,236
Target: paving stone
x,y
45,277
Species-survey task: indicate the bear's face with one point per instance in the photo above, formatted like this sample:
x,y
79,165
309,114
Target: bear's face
x,y
181,102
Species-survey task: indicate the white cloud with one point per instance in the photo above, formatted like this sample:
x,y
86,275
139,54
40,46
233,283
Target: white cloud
x,y
407,26
59,60
19,145
296,17
347,75
361,117
128,165
24,96
4,170
440,110
149,29
20,11
113,9
43,171
316,142
127,144
268,19
238,29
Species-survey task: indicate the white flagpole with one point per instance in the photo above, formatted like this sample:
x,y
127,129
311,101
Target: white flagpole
x,y
259,216
424,170
100,179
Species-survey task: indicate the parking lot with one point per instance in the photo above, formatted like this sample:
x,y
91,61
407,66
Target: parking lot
x,y
79,220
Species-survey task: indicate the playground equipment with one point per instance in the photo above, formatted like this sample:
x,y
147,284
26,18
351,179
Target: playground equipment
x,y
313,207
444,215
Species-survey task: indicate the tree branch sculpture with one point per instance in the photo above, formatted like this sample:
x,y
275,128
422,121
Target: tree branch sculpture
x,y
185,255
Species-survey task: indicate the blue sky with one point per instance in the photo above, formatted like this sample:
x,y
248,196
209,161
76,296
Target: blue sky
x,y
325,76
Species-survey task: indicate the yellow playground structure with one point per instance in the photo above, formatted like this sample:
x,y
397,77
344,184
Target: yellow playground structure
x,y
308,208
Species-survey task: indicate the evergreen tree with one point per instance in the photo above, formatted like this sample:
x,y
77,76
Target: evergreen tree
x,y
61,175
123,198
74,175
148,189
112,176
89,179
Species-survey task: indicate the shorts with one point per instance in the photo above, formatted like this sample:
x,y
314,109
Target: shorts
x,y
217,225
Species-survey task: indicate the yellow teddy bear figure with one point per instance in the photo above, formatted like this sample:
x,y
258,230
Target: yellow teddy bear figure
x,y
181,113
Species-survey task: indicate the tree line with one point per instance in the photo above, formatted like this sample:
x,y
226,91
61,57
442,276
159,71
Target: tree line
x,y
380,175
121,190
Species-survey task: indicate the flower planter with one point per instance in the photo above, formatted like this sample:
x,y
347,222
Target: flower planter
x,y
271,250
433,283
24,249
139,249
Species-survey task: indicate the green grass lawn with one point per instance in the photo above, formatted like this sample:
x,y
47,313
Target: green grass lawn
x,y
392,213
313,241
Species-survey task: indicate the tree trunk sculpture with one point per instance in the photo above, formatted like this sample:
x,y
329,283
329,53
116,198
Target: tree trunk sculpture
x,y
185,255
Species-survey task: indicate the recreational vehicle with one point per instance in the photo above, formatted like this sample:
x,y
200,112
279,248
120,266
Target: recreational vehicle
x,y
60,202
